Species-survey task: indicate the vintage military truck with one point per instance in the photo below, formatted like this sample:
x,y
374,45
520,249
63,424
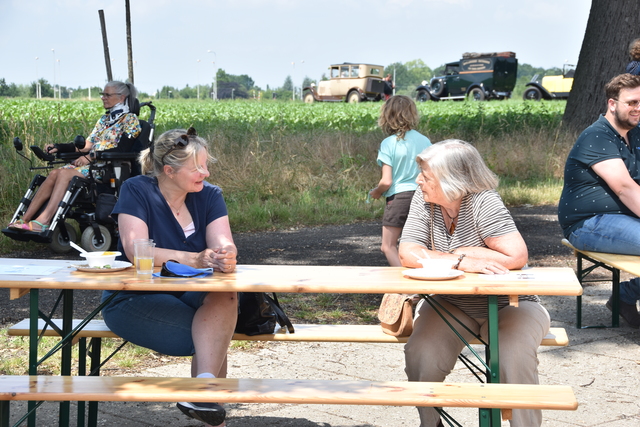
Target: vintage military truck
x,y
477,76
348,82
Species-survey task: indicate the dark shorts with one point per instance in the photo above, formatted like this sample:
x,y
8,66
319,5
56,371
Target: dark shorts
x,y
397,209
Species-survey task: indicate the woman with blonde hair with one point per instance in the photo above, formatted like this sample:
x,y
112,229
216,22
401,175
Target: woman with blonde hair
x,y
173,204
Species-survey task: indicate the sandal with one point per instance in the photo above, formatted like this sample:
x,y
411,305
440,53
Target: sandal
x,y
16,225
29,227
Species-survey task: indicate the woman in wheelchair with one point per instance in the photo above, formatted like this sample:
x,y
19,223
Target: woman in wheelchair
x,y
107,133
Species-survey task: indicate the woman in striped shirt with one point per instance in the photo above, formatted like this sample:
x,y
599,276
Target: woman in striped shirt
x,y
457,214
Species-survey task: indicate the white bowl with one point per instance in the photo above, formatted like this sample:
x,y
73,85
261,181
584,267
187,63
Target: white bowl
x,y
437,266
100,259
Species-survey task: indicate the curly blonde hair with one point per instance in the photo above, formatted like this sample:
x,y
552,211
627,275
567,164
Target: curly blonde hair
x,y
634,50
398,116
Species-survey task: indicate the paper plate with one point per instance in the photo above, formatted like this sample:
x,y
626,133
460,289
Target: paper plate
x,y
424,274
117,266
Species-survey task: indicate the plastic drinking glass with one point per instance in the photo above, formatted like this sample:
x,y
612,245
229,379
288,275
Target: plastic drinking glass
x,y
143,256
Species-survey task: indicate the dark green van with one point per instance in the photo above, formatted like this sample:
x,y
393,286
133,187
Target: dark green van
x,y
477,76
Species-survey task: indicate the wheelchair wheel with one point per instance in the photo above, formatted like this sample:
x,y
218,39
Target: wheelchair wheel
x,y
89,243
58,245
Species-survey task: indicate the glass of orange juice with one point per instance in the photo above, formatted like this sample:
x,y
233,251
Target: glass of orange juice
x,y
143,256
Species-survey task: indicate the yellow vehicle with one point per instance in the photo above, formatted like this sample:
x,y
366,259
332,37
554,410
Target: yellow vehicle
x,y
552,87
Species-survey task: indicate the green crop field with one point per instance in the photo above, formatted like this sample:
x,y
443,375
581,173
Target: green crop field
x,y
283,164
59,120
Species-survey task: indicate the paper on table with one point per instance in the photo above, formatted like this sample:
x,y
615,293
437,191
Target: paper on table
x,y
29,270
525,275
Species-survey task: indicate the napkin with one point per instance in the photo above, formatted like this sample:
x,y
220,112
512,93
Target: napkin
x,y
175,269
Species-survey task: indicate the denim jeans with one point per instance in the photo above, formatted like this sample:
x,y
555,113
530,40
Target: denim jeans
x,y
160,321
616,234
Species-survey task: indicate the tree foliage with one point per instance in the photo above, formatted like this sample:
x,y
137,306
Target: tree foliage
x,y
610,28
288,84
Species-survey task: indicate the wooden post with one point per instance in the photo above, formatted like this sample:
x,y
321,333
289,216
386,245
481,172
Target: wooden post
x,y
105,43
129,48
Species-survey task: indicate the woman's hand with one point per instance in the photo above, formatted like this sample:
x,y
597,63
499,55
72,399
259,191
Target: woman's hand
x,y
482,265
50,148
220,259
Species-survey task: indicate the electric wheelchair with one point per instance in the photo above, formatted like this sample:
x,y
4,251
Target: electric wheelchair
x,y
88,201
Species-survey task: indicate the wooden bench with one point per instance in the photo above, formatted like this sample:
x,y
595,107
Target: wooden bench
x,y
97,329
611,262
227,390
303,333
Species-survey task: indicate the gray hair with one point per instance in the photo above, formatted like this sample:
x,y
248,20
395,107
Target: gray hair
x,y
458,167
125,89
151,158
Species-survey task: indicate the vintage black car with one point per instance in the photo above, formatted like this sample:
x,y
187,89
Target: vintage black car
x,y
477,76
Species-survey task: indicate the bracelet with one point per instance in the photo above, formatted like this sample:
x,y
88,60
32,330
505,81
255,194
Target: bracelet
x,y
460,258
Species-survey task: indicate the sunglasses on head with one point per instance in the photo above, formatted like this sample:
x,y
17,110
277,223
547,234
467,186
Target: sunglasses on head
x,y
180,142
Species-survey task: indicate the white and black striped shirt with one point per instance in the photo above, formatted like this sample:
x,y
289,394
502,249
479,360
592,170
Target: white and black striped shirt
x,y
482,215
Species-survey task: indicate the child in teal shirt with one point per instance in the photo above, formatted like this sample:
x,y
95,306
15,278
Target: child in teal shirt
x,y
397,157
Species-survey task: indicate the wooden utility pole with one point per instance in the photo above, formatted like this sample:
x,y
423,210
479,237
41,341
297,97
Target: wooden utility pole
x,y
129,48
105,43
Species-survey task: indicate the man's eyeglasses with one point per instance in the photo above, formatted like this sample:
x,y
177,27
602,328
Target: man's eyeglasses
x,y
631,104
108,95
180,142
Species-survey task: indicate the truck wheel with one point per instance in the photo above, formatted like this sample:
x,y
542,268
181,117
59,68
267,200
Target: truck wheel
x,y
353,97
476,94
423,95
532,94
437,87
309,99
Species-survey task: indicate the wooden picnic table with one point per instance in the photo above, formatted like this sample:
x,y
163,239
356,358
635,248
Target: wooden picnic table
x,y
29,275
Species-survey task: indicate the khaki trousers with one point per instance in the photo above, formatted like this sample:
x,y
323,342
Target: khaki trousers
x,y
433,348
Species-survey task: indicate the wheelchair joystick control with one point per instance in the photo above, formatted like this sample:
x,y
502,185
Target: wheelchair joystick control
x,y
79,141
17,144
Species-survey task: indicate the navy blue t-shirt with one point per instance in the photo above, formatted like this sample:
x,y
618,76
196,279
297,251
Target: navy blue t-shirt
x,y
585,194
141,197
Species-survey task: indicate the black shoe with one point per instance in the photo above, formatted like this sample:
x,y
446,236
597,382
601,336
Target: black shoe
x,y
629,313
207,412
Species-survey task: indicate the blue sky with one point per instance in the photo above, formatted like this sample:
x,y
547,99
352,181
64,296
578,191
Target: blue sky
x,y
270,39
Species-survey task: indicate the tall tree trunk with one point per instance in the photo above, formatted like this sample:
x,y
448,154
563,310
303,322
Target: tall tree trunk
x,y
612,25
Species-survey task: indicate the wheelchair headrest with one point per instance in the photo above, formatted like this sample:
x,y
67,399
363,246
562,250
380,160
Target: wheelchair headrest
x,y
134,105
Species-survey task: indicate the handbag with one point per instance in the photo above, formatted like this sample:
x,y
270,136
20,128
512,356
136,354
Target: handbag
x,y
258,314
396,315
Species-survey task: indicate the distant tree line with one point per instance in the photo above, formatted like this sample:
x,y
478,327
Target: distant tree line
x,y
408,76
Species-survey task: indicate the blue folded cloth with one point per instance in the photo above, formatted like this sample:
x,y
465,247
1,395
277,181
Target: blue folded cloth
x,y
175,269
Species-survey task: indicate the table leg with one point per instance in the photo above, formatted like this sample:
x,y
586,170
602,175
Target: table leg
x,y
4,413
493,359
66,352
33,348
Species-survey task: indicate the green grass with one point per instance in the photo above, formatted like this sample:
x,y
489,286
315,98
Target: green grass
x,y
284,165
14,355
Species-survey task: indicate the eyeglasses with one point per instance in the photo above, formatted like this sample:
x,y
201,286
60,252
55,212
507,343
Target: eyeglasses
x,y
180,142
109,95
631,104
